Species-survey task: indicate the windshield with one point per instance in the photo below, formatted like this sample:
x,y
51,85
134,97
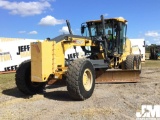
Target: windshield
x,y
115,32
96,29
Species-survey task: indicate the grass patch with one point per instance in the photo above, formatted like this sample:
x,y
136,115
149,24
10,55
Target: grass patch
x,y
4,78
7,81
151,63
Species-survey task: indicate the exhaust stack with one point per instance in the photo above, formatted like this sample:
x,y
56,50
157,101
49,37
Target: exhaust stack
x,y
69,27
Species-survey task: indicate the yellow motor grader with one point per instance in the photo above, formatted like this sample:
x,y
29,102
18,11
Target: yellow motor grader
x,y
107,58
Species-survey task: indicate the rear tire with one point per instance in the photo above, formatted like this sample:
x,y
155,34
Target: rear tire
x,y
80,79
138,62
23,80
129,64
133,62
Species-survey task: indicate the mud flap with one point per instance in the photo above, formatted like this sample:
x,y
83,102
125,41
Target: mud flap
x,y
113,76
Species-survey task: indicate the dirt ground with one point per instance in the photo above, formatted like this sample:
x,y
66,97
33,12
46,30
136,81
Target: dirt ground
x,y
108,102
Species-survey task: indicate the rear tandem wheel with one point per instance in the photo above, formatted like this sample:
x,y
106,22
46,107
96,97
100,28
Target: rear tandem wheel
x,y
133,62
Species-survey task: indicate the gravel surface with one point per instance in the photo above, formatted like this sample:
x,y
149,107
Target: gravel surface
x,y
108,102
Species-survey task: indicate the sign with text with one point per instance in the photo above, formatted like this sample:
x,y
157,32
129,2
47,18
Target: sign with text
x,y
149,112
13,51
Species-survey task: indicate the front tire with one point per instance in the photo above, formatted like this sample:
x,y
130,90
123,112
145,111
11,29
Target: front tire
x,y
23,80
80,79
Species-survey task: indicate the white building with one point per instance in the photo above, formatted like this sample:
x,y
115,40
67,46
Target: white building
x,y
141,45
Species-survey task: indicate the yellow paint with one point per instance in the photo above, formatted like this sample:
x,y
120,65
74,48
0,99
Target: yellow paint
x,y
8,39
48,57
87,79
25,54
41,61
126,51
117,19
5,57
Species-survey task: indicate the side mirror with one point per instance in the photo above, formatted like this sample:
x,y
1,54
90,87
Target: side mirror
x,y
82,29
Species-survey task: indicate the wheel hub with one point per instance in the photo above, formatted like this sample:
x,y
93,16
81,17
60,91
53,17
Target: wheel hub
x,y
87,79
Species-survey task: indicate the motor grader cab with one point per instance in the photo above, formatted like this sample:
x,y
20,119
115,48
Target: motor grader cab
x,y
110,36
106,59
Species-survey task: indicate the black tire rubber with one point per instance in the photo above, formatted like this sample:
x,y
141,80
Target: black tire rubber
x,y
74,79
138,62
129,64
23,80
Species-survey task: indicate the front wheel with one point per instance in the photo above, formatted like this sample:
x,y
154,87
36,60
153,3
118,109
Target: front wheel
x,y
80,79
23,80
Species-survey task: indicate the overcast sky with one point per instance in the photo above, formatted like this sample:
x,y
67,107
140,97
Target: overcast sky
x,y
39,19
